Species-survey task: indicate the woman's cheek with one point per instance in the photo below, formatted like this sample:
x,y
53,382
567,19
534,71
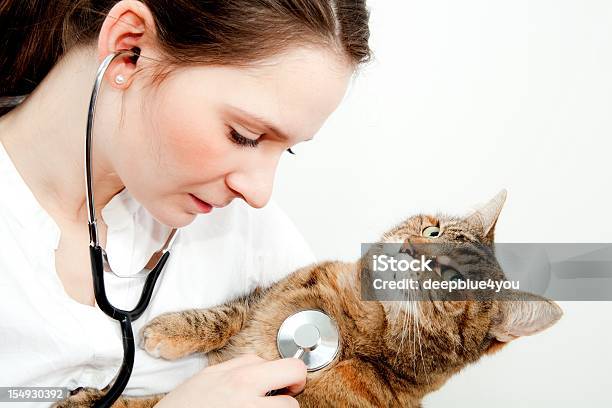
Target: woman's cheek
x,y
199,155
192,140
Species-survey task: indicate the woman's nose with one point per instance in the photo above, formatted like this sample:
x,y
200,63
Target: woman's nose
x,y
254,185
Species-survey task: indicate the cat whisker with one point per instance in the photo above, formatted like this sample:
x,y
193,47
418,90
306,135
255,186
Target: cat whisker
x,y
403,332
418,333
413,322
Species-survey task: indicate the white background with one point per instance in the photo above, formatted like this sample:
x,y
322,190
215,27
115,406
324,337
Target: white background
x,y
465,98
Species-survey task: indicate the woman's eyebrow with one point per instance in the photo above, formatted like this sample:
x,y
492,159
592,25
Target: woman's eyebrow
x,y
258,120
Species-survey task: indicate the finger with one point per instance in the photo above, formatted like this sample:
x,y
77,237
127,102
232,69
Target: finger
x,y
242,361
276,374
279,401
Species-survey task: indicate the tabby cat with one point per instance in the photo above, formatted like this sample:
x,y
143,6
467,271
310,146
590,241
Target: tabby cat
x,y
392,353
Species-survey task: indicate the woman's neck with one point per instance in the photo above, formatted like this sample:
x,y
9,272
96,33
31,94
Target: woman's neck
x,y
44,136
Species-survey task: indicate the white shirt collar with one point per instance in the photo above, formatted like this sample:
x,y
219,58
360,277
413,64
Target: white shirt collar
x,y
120,210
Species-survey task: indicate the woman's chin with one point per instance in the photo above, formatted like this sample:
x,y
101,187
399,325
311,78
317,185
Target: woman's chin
x,y
175,218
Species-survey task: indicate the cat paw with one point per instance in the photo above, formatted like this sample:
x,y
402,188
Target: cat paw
x,y
159,338
80,398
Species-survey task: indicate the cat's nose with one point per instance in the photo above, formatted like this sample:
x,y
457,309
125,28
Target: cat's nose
x,y
408,248
416,245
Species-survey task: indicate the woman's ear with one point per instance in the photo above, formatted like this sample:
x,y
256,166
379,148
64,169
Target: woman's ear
x,y
524,314
128,25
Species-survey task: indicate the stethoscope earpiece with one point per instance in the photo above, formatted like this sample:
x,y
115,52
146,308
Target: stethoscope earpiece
x,y
135,54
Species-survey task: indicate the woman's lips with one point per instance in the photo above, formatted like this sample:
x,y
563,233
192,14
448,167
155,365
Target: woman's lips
x,y
203,206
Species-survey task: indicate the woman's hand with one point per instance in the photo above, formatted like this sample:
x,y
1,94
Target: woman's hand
x,y
241,382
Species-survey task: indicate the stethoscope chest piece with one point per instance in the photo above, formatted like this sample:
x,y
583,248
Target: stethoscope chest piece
x,y
310,335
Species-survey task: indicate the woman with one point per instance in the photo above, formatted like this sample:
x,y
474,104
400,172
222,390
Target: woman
x,y
218,92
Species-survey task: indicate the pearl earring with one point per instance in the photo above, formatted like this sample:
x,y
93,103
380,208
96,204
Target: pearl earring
x,y
119,79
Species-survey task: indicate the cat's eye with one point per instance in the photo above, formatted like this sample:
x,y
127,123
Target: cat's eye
x,y
450,274
431,232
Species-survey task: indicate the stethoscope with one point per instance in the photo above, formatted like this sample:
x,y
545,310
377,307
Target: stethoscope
x,y
99,259
310,335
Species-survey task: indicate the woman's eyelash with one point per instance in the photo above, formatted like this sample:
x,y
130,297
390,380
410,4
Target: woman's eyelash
x,y
245,141
241,140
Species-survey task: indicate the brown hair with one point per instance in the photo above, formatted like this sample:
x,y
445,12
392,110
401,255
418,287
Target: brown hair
x,y
36,33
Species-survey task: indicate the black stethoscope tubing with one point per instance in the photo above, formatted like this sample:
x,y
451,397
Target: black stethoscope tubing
x,y
99,262
124,317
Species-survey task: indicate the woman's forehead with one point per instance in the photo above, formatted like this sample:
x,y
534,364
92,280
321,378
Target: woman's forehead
x,y
293,93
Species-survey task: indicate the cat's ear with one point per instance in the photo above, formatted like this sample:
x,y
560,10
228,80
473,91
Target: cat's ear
x,y
486,216
524,314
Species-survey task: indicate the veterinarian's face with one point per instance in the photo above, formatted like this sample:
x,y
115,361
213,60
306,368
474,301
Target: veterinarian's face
x,y
217,133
